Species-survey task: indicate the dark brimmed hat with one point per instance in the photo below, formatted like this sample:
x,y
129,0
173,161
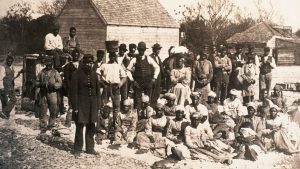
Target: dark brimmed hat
x,y
266,49
41,56
123,47
132,45
48,60
238,46
87,58
156,46
112,46
251,47
142,45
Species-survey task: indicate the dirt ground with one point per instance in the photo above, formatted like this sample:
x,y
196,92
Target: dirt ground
x,y
19,147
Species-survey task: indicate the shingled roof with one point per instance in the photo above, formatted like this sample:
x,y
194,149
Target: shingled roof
x,y
134,13
259,33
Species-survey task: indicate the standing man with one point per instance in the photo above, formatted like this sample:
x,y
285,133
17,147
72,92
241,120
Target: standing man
x,y
237,60
84,97
223,69
156,86
143,77
54,45
265,75
49,81
71,42
120,59
69,69
131,54
122,55
99,60
202,74
7,84
113,77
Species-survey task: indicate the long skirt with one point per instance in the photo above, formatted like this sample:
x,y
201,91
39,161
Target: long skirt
x,y
182,93
284,143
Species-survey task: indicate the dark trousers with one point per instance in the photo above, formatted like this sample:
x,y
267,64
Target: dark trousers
x,y
48,101
247,99
222,81
56,57
112,91
8,100
156,90
265,83
147,90
124,91
60,102
168,83
89,136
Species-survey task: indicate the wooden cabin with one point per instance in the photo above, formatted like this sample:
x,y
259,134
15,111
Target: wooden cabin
x,y
283,43
128,21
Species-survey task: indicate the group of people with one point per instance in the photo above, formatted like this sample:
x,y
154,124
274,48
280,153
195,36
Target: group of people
x,y
186,106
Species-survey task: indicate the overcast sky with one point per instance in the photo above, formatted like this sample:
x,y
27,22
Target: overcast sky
x,y
288,11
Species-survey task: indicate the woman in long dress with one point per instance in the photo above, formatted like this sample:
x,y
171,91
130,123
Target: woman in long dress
x,y
181,79
249,73
278,127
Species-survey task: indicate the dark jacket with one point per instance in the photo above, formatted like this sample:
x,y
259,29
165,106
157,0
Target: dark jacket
x,y
85,96
69,69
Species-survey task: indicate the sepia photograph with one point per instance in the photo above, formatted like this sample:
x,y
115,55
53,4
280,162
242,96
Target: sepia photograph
x,y
149,84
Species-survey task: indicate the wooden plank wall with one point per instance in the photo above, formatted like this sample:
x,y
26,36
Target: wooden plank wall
x,y
286,57
286,51
166,37
91,30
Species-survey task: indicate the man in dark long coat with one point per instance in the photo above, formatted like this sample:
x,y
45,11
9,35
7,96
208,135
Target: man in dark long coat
x,y
84,97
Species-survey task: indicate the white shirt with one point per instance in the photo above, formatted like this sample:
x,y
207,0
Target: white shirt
x,y
53,42
2,75
273,63
120,59
189,109
38,68
233,108
112,73
151,62
76,64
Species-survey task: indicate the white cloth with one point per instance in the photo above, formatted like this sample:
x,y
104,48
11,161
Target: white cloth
x,y
233,108
2,75
38,68
189,109
53,42
112,73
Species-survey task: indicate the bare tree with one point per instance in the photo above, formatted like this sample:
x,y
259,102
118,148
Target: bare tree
x,y
51,8
214,13
266,10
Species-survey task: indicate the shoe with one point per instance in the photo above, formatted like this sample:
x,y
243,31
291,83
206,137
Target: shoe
x,y
93,152
3,116
77,154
